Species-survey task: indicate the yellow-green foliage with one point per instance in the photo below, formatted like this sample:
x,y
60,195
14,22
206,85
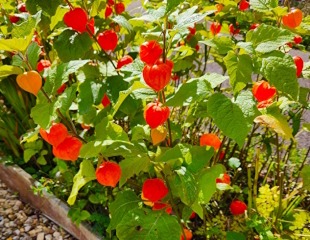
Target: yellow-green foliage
x,y
267,200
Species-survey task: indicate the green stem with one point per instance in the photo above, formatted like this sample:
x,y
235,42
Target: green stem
x,y
250,198
173,205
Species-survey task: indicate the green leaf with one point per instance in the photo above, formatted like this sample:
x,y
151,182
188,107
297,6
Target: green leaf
x,y
71,45
85,97
152,15
125,201
188,18
65,100
58,17
192,91
276,122
263,5
222,44
172,4
207,184
107,130
306,127
43,114
214,79
279,69
184,185
15,44
48,7
239,69
268,38
247,105
59,74
28,153
234,163
33,53
133,166
228,117
26,27
7,70
145,224
84,175
306,70
180,151
199,158
123,22
124,94
305,174
41,160
235,235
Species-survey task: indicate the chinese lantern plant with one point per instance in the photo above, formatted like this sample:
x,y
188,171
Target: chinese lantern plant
x,y
142,130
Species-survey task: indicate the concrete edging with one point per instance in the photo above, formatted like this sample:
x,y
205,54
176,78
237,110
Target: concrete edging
x,y
50,206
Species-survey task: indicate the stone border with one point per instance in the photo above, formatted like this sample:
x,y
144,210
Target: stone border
x,y
53,208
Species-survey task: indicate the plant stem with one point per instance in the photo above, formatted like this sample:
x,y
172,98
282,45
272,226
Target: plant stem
x,y
173,205
250,199
278,159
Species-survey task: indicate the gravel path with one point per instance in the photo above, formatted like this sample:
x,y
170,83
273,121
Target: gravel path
x,y
19,221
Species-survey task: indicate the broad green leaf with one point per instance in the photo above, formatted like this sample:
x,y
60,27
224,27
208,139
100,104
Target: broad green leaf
x,y
59,74
71,45
65,100
86,97
183,185
280,71
124,94
41,160
239,69
125,201
192,91
275,121
140,132
15,44
43,114
33,52
268,38
172,4
306,70
58,17
207,184
48,7
133,166
180,151
84,175
263,5
305,174
145,224
152,15
214,79
107,130
234,163
228,117
188,18
247,105
26,27
199,158
96,7
306,127
7,70
123,22
235,235
246,47
222,44
28,153
91,149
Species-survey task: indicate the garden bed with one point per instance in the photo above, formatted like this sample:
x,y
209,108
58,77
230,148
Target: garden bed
x,y
50,206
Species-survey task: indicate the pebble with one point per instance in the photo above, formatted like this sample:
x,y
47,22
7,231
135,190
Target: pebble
x,y
19,221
